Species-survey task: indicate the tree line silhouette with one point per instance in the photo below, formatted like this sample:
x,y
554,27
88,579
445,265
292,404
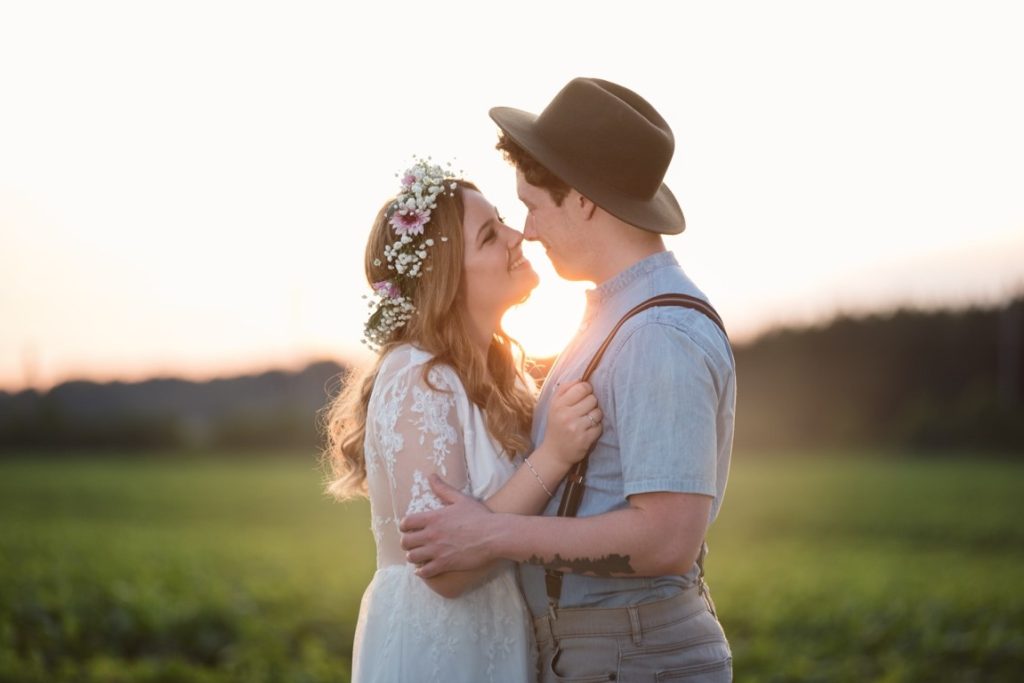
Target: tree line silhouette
x,y
911,380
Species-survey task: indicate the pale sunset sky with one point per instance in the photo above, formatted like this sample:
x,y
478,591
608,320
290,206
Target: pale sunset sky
x,y
186,187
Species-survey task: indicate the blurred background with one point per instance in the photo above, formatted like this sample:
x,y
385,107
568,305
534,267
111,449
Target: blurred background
x,y
185,192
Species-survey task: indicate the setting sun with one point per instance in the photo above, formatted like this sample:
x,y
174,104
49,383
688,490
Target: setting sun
x,y
547,321
211,218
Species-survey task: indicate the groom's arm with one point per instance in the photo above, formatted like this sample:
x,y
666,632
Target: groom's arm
x,y
665,422
658,534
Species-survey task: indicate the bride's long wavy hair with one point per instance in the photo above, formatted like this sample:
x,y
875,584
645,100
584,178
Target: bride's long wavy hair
x,y
497,383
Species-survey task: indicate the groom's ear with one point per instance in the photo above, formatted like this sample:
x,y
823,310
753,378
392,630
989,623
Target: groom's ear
x,y
585,206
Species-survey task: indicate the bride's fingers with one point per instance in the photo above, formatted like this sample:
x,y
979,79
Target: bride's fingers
x,y
585,405
563,387
574,393
594,417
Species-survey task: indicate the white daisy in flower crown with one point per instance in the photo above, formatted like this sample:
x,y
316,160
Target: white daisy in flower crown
x,y
391,301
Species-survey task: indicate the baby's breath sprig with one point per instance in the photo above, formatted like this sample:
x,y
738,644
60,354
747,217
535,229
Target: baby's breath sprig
x,y
391,300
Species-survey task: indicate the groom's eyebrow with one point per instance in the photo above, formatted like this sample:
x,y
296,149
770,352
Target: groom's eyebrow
x,y
483,229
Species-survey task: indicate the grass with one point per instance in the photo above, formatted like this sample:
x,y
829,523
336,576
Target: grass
x,y
168,568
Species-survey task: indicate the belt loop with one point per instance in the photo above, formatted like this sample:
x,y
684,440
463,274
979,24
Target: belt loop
x,y
552,613
706,594
545,629
634,624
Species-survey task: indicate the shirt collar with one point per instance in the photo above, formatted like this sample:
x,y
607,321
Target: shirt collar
x,y
606,291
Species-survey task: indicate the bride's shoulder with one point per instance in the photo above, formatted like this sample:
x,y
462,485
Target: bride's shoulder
x,y
412,364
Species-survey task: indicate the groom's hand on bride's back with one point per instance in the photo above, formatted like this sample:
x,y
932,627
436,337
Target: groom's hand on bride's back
x,y
452,538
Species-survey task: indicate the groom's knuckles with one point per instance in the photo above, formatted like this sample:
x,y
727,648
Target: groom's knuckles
x,y
427,571
413,522
414,540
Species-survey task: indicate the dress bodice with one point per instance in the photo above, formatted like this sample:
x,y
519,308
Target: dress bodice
x,y
420,422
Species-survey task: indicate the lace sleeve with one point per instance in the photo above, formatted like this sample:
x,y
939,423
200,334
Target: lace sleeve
x,y
428,438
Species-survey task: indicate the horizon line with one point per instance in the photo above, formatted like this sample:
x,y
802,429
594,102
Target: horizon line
x,y
347,360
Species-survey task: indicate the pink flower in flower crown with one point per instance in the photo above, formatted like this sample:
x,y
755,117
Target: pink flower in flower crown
x,y
409,221
408,180
387,288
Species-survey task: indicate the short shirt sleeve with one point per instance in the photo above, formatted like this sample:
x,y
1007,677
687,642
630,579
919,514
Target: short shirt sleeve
x,y
666,401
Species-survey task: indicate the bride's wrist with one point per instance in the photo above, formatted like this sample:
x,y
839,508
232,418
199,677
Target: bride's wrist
x,y
552,459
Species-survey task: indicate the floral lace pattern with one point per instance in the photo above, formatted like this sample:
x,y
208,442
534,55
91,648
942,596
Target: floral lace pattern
x,y
405,630
422,498
433,409
412,430
390,439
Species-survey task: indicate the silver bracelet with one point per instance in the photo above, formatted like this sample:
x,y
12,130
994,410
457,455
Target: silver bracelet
x,y
539,480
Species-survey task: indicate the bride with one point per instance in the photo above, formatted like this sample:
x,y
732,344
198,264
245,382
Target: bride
x,y
447,396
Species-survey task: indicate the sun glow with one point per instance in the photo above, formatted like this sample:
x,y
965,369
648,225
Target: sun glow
x,y
550,317
211,219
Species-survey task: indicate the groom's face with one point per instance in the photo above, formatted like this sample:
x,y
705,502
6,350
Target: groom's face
x,y
552,225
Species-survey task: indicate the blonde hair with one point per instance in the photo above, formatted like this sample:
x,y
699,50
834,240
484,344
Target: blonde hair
x,y
497,383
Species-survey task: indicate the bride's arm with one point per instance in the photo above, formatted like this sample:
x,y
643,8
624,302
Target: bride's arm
x,y
569,435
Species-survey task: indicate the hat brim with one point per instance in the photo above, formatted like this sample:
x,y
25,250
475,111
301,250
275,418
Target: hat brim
x,y
661,213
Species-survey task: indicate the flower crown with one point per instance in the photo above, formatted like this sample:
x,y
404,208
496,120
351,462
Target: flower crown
x,y
391,300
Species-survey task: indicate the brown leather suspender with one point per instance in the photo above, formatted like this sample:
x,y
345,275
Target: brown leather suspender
x,y
573,494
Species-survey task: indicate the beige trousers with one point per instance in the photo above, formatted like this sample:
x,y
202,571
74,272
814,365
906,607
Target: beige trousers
x,y
677,639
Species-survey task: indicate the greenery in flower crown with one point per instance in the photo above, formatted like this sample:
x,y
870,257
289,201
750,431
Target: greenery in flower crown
x,y
391,300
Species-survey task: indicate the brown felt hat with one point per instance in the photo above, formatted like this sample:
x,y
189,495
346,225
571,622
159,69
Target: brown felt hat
x,y
608,143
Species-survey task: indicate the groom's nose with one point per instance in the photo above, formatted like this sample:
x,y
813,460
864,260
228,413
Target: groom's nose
x,y
529,232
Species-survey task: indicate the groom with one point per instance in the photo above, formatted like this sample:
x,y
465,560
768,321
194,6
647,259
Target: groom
x,y
632,601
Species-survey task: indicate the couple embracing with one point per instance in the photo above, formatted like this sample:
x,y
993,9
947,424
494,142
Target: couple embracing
x,y
554,535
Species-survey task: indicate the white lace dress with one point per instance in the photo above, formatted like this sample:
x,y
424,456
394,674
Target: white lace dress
x,y
406,631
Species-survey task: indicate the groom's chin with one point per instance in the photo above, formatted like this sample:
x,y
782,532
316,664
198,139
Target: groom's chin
x,y
567,273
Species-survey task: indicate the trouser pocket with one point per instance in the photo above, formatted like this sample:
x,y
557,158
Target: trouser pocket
x,y
579,660
693,650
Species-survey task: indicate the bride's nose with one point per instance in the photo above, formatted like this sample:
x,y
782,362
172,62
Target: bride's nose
x,y
513,237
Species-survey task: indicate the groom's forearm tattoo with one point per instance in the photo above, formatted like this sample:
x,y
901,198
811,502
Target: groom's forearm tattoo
x,y
608,565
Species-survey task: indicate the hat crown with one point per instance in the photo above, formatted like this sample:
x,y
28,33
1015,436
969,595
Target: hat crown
x,y
609,144
607,127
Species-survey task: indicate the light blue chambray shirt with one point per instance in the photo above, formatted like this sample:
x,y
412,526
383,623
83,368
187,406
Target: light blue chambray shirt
x,y
667,386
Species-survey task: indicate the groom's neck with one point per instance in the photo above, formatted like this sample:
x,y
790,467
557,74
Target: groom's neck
x,y
618,248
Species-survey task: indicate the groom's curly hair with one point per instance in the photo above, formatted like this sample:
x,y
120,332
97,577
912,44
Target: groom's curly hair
x,y
535,174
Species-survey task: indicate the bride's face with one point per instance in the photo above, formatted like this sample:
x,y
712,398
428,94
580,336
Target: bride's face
x,y
497,275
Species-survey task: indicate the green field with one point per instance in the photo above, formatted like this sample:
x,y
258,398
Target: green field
x,y
167,568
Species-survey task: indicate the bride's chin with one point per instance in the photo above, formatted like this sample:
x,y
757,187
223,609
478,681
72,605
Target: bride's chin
x,y
526,296
515,302
523,295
